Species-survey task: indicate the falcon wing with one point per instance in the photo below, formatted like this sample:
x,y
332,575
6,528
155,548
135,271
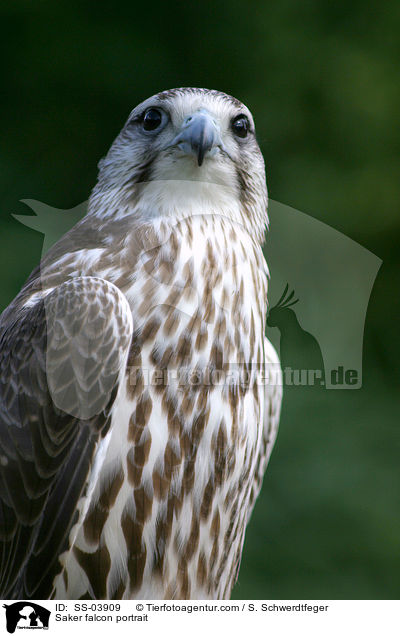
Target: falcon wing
x,y
272,410
60,364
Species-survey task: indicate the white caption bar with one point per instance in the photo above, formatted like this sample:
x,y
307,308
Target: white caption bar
x,y
154,617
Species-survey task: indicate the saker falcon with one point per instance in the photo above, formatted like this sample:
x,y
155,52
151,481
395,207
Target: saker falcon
x,y
134,433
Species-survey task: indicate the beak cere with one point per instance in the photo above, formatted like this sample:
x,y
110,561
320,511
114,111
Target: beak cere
x,y
199,135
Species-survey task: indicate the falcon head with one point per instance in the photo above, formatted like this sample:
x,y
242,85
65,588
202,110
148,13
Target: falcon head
x,y
201,137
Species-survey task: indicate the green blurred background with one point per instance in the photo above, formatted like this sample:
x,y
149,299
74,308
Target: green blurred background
x,y
322,80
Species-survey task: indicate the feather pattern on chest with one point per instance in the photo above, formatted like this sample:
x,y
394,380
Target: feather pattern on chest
x,y
167,514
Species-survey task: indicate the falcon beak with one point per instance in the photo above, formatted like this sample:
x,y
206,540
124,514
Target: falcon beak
x,y
199,134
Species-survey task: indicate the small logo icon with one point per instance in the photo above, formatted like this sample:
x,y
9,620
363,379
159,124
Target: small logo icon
x,y
26,615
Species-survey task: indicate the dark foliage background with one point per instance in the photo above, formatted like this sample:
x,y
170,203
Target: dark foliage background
x,y
322,79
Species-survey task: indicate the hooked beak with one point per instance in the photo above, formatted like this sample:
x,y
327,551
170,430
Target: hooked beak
x,y
199,134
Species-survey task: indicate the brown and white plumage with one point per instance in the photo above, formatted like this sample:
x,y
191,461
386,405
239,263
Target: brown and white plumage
x,y
122,475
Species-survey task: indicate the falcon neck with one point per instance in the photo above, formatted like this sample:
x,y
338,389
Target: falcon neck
x,y
178,200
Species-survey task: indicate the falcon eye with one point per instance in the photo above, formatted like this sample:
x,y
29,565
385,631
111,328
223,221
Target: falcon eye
x,y
152,119
240,126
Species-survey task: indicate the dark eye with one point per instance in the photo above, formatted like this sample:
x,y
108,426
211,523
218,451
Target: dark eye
x,y
240,126
152,119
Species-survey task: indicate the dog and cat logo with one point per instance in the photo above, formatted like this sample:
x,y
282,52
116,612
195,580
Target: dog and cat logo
x,y
26,615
